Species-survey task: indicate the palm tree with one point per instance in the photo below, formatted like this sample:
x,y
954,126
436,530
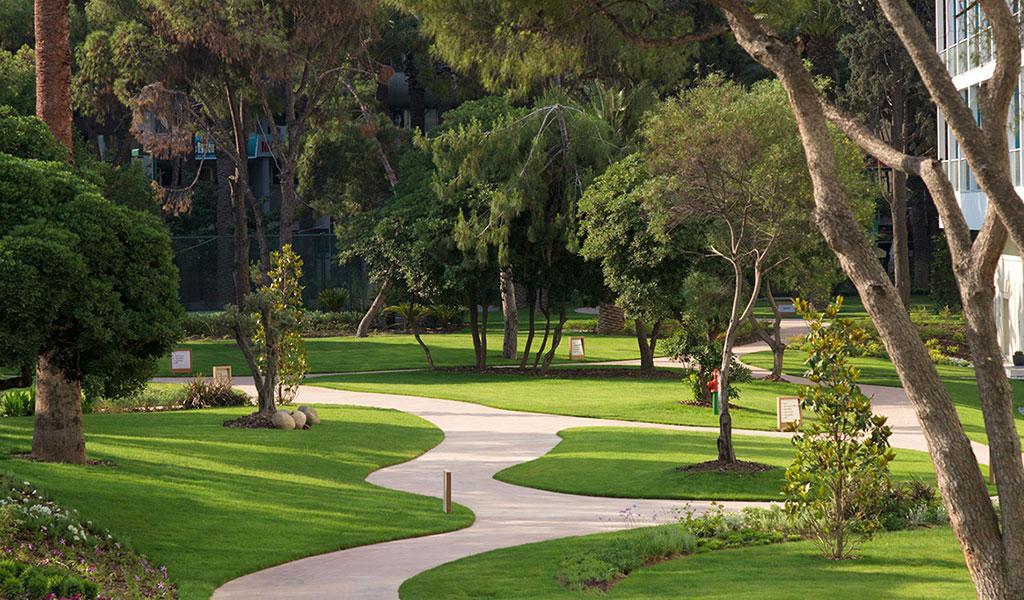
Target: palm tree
x,y
413,315
58,435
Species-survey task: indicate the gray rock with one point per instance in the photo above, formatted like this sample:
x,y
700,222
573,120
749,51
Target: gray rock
x,y
282,419
312,418
300,419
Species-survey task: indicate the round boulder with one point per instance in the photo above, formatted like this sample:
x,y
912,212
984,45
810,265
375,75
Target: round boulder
x,y
282,420
300,419
312,418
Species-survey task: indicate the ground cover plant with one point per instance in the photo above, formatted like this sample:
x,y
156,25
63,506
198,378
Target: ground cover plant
x,y
189,492
738,556
49,551
629,462
651,400
958,381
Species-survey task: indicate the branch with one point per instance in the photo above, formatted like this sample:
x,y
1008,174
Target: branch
x,y
869,142
638,39
21,381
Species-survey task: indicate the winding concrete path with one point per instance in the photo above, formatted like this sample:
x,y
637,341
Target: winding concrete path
x,y
480,441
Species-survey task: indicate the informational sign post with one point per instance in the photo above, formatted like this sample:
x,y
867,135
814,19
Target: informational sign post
x,y
788,412
222,375
576,348
181,361
786,307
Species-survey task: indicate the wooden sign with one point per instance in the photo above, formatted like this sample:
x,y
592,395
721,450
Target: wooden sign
x,y
181,361
222,375
576,348
786,307
788,413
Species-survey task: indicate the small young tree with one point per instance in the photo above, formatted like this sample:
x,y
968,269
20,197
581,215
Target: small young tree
x,y
276,353
841,467
413,314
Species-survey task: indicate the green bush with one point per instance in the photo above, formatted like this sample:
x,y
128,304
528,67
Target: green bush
x,y
18,403
623,554
148,397
219,325
203,393
333,299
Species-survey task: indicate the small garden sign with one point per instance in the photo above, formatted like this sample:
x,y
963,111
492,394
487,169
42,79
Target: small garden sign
x,y
576,348
181,361
788,413
222,375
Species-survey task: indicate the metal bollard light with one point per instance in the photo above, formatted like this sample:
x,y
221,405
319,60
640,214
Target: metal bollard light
x,y
447,492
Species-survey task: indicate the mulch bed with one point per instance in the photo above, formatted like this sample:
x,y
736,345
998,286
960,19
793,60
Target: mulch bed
x,y
569,373
89,461
253,421
702,404
740,467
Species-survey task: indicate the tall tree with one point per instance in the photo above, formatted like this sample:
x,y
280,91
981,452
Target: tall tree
x,y
886,91
53,68
993,546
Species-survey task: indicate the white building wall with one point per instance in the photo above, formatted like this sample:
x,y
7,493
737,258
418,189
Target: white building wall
x,y
964,43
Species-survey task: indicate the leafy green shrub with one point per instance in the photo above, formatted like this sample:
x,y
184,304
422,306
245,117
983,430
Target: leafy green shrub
x,y
148,397
911,504
841,468
943,288
704,357
333,299
442,316
11,587
208,325
203,393
623,554
18,403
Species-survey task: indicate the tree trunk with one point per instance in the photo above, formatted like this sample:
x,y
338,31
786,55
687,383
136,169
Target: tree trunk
x,y
58,435
775,343
531,292
611,319
371,313
510,345
900,242
545,309
226,269
959,478
646,347
430,360
922,242
479,343
53,69
287,204
417,95
556,337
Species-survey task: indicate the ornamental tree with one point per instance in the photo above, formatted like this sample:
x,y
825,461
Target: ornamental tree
x,y
841,470
89,293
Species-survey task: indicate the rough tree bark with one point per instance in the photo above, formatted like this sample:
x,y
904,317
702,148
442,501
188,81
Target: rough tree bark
x,y
611,319
993,558
774,341
375,307
647,347
510,311
57,435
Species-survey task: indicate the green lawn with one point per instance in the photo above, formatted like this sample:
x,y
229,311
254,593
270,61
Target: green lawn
x,y
214,503
852,307
641,463
919,564
649,400
395,351
959,382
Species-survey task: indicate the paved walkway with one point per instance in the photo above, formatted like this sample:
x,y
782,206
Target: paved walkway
x,y
480,441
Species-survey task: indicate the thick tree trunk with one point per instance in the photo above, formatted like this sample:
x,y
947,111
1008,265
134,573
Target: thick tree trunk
x,y
58,435
646,346
53,68
959,477
611,319
509,310
371,313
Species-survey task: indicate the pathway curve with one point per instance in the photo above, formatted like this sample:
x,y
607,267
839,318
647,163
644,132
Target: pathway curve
x,y
480,441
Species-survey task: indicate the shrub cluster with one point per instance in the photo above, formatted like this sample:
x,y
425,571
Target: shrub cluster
x,y
203,393
219,325
19,581
911,504
18,402
624,553
50,549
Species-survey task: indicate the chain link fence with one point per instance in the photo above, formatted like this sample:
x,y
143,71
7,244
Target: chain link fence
x,y
206,265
